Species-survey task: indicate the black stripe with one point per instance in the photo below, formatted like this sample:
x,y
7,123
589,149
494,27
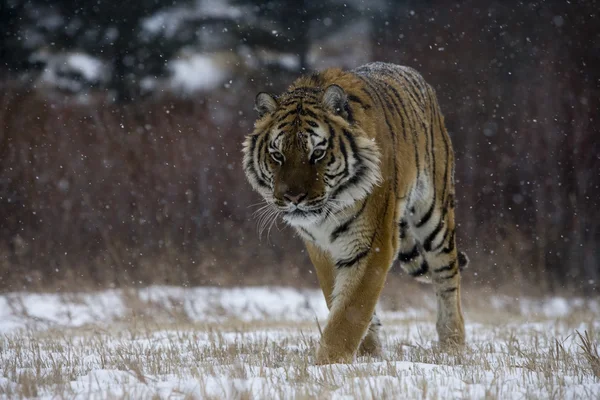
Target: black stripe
x,y
432,235
395,75
332,160
260,172
349,113
344,152
433,158
450,244
321,142
418,83
409,256
282,125
312,123
360,169
429,147
357,241
446,147
351,261
407,88
356,99
448,267
412,92
452,275
436,116
309,112
342,149
276,137
332,135
344,226
427,215
421,271
307,233
249,165
384,100
403,225
449,290
405,109
369,95
416,149
446,232
333,176
287,114
400,110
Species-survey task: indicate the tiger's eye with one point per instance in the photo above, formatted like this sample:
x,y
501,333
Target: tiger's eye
x,y
318,154
278,157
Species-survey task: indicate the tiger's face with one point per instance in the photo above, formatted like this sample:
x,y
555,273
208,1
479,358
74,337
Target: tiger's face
x,y
306,157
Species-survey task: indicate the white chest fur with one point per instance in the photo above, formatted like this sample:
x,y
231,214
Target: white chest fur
x,y
340,244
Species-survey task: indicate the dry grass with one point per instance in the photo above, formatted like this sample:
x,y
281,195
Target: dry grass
x,y
164,354
590,352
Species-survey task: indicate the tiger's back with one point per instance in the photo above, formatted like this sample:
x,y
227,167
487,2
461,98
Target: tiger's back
x,y
364,171
422,146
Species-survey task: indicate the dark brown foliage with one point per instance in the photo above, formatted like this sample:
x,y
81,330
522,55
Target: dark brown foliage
x,y
519,84
132,194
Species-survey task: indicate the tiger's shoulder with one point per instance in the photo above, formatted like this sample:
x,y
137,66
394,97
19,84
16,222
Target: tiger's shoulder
x,y
373,87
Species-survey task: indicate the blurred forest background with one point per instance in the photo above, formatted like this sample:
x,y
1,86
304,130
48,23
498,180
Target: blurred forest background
x,y
121,126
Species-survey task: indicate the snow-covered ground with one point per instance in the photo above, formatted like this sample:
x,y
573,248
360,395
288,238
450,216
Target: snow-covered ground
x,y
172,342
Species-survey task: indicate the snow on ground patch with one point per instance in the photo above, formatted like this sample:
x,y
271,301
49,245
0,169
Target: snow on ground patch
x,y
260,343
550,307
39,311
278,363
214,305
203,304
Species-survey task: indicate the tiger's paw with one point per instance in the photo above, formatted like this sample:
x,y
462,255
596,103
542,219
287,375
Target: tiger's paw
x,y
452,343
371,346
452,337
331,355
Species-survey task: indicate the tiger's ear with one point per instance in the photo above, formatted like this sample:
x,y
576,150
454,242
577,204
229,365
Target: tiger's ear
x,y
264,103
336,101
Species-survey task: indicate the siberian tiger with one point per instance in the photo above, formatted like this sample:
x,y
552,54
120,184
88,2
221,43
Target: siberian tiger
x,y
360,164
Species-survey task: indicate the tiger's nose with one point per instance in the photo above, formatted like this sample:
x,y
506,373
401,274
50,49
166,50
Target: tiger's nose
x,y
295,199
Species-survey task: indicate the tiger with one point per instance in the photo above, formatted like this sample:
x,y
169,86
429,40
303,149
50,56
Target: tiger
x,y
360,164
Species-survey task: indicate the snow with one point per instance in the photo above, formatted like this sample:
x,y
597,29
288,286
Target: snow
x,y
258,342
90,67
38,311
196,72
203,304
552,307
35,311
170,19
70,71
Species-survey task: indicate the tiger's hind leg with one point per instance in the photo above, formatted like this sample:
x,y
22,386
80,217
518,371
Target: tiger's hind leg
x,y
445,263
410,254
371,343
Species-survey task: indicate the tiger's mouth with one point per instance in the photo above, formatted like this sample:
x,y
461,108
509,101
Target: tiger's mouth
x,y
302,217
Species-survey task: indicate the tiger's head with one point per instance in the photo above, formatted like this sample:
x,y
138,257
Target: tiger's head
x,y
307,156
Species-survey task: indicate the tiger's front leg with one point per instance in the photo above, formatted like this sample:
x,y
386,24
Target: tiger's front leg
x,y
356,291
